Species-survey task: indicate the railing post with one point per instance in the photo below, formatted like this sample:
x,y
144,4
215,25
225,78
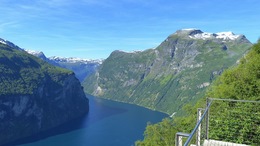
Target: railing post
x,y
179,136
199,128
207,120
178,140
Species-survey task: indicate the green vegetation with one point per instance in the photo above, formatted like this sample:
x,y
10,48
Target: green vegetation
x,y
242,125
22,73
241,83
163,133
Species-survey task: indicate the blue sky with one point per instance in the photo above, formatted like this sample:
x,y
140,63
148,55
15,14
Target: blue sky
x,y
94,28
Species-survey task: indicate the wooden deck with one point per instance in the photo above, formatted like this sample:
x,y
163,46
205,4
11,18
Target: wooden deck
x,y
220,143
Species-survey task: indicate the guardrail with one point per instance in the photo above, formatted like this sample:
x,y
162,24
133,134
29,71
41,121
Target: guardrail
x,y
197,128
202,127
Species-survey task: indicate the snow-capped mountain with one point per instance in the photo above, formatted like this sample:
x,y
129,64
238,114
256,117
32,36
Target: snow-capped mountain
x,y
198,34
81,67
39,54
74,60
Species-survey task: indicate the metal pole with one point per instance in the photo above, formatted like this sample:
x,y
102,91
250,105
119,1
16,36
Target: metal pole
x,y
199,128
179,136
207,120
178,140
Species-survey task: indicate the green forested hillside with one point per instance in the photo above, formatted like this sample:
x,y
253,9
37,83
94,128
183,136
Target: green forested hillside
x,y
22,72
242,125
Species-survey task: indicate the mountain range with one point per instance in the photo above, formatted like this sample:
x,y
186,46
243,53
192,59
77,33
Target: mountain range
x,y
173,74
81,67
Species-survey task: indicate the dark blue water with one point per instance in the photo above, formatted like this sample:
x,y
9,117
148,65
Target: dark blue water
x,y
108,123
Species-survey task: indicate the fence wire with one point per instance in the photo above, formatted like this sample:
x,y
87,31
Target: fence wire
x,y
235,121
230,123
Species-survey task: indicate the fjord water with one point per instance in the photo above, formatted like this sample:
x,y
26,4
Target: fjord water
x,y
108,123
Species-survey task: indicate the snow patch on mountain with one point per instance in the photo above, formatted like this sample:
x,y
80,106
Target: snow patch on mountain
x,y
2,41
35,53
203,36
227,35
75,60
198,34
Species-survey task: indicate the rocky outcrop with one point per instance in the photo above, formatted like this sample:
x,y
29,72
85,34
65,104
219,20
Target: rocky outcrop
x,y
35,96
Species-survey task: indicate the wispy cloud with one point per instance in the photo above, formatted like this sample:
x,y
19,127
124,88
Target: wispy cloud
x,y
7,25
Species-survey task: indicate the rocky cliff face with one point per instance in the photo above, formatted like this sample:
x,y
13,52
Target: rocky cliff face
x,y
35,96
175,73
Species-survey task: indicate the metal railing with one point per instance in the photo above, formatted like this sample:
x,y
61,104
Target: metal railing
x,y
197,128
202,127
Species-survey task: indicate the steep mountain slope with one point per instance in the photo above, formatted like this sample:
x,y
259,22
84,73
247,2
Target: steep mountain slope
x,y
34,95
171,75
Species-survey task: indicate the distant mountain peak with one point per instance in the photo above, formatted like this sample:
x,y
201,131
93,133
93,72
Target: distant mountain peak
x,y
35,53
198,34
39,54
75,59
